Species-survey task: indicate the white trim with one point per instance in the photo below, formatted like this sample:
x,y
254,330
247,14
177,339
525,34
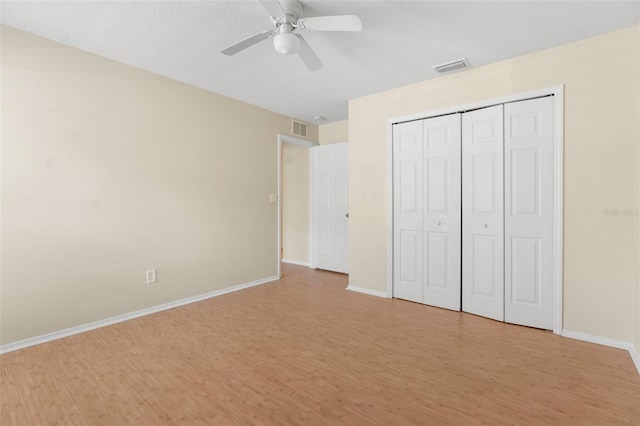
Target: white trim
x,y
478,104
295,262
390,123
558,213
377,293
312,210
279,218
21,344
558,92
294,141
619,344
310,159
390,210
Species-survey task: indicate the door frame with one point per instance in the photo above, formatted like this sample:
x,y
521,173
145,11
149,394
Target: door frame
x,y
301,142
558,140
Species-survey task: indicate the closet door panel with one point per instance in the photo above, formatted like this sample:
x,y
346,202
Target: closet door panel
x,y
442,212
483,217
529,188
437,262
408,207
486,260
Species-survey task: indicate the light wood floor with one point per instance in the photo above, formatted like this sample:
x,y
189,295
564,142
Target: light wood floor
x,y
305,351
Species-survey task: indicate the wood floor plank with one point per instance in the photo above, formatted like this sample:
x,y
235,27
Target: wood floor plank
x,y
304,351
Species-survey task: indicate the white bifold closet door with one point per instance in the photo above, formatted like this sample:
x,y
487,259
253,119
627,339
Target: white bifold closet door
x,y
507,225
427,211
474,211
408,182
529,212
482,213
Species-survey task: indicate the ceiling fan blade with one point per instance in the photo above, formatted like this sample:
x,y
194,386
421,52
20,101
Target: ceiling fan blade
x,y
307,55
274,8
331,23
248,42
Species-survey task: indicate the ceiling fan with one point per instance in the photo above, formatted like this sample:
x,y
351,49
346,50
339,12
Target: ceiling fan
x,y
286,16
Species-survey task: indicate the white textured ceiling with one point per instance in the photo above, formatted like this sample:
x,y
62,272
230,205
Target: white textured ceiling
x,y
400,43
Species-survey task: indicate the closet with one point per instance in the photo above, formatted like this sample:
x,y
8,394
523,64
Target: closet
x,y
473,213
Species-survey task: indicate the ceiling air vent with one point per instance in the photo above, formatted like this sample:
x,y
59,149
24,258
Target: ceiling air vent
x,y
453,65
299,128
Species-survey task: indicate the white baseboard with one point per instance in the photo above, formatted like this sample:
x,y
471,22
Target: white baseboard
x,y
370,292
295,262
14,346
633,352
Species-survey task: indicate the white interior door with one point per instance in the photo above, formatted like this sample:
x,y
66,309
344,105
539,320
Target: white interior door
x,y
408,210
330,208
529,212
442,214
474,213
483,216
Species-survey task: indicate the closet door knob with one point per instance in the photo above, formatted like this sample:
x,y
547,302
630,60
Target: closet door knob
x,y
439,223
346,215
486,226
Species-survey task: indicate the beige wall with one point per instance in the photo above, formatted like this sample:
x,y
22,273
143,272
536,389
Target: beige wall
x,y
108,171
296,210
602,132
335,132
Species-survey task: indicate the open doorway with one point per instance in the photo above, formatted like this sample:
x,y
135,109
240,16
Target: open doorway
x,y
294,207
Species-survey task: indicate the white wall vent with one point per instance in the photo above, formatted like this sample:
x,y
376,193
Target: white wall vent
x,y
453,65
298,128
